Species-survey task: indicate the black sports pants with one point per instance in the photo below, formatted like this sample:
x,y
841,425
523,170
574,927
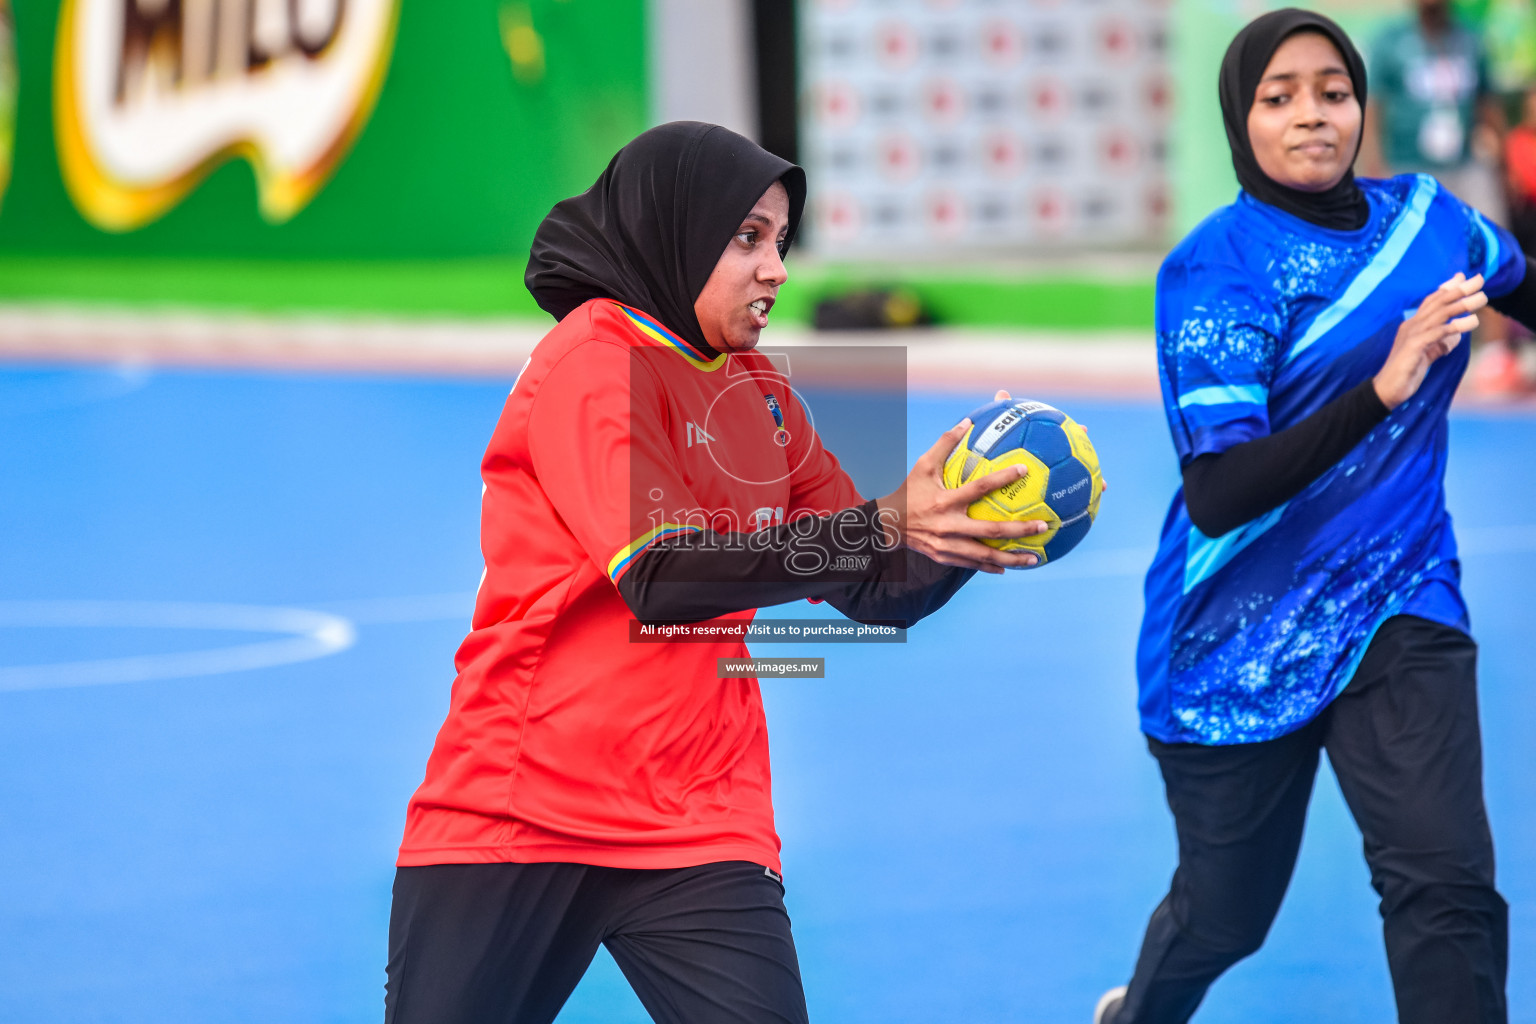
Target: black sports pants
x,y
507,943
1403,740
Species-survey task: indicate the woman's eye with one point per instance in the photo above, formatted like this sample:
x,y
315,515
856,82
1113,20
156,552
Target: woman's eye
x,y
747,238
1336,96
1274,101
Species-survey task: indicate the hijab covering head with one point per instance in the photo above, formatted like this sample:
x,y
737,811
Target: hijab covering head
x,y
1342,207
652,228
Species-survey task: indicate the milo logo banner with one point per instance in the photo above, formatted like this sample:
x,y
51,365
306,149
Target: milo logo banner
x,y
327,130
152,95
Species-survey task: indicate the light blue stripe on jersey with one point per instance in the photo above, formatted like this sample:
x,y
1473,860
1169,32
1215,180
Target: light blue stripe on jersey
x,y
1373,273
1393,607
1491,264
1252,394
1203,555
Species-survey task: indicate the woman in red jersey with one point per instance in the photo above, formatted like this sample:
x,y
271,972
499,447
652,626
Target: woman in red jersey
x,y
649,466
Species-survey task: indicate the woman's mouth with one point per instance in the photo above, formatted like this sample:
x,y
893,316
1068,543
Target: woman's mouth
x,y
759,310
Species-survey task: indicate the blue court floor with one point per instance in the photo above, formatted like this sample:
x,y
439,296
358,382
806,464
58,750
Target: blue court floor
x,y
228,608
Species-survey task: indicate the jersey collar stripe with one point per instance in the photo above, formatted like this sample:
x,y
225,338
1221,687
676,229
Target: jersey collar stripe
x,y
1252,394
1381,266
629,552
656,332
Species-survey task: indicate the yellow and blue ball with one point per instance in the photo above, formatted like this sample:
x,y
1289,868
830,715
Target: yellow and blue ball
x,y
1062,488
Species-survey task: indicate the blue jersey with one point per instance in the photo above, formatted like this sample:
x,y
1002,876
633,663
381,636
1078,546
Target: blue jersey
x,y
1262,319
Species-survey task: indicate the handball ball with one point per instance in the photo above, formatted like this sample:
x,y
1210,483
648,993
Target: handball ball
x,y
1063,485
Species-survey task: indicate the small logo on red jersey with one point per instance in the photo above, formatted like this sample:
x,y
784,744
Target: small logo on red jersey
x,y
780,435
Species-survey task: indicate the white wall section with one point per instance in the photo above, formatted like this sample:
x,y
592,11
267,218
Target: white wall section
x,y
703,63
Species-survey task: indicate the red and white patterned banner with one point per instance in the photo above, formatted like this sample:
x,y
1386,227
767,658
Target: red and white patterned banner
x,y
984,125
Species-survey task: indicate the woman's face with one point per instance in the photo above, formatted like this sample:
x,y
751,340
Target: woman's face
x,y
1304,126
733,307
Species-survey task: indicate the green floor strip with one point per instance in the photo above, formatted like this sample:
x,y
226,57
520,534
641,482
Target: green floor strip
x,y
492,287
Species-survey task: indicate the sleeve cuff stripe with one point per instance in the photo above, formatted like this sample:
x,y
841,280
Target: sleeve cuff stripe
x,y
629,552
1491,241
1253,394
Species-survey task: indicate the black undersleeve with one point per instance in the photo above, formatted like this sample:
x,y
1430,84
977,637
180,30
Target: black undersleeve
x,y
838,558
897,597
1225,490
1520,304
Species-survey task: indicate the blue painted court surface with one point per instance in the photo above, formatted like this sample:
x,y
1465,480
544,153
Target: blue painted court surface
x,y
201,795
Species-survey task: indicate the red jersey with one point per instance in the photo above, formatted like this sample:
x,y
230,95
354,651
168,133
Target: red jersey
x,y
1520,158
564,740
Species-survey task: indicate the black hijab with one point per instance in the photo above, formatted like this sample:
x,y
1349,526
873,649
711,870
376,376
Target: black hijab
x,y
652,228
1342,207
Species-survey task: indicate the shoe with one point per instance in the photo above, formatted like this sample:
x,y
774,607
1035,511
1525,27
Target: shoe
x,y
1109,1005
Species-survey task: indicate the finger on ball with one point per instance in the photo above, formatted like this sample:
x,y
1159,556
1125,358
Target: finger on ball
x,y
1009,529
1001,478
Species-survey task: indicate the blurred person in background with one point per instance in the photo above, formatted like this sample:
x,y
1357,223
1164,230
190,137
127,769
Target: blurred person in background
x,y
1437,112
1520,181
1435,109
1509,36
1520,166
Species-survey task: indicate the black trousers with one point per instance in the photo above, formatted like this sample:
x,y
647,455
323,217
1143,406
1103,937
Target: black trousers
x,y
507,943
1403,740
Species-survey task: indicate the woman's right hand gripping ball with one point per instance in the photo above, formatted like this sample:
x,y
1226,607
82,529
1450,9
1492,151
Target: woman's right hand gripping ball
x,y
932,519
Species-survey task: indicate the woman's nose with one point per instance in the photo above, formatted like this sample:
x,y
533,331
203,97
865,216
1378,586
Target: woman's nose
x,y
772,269
1308,109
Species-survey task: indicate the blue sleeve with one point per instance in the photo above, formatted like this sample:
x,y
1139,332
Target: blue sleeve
x,y
1494,253
1218,341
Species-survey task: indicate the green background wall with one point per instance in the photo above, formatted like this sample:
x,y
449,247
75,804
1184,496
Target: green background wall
x,y
433,210
460,157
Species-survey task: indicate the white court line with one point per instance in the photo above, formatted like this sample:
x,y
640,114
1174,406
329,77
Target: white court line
x,y
1092,563
378,611
311,634
318,634
30,397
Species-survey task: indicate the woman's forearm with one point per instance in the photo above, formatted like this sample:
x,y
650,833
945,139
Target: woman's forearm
x,y
1222,491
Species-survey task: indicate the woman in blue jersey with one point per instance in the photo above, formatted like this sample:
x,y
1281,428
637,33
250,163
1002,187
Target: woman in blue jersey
x,y
1305,595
